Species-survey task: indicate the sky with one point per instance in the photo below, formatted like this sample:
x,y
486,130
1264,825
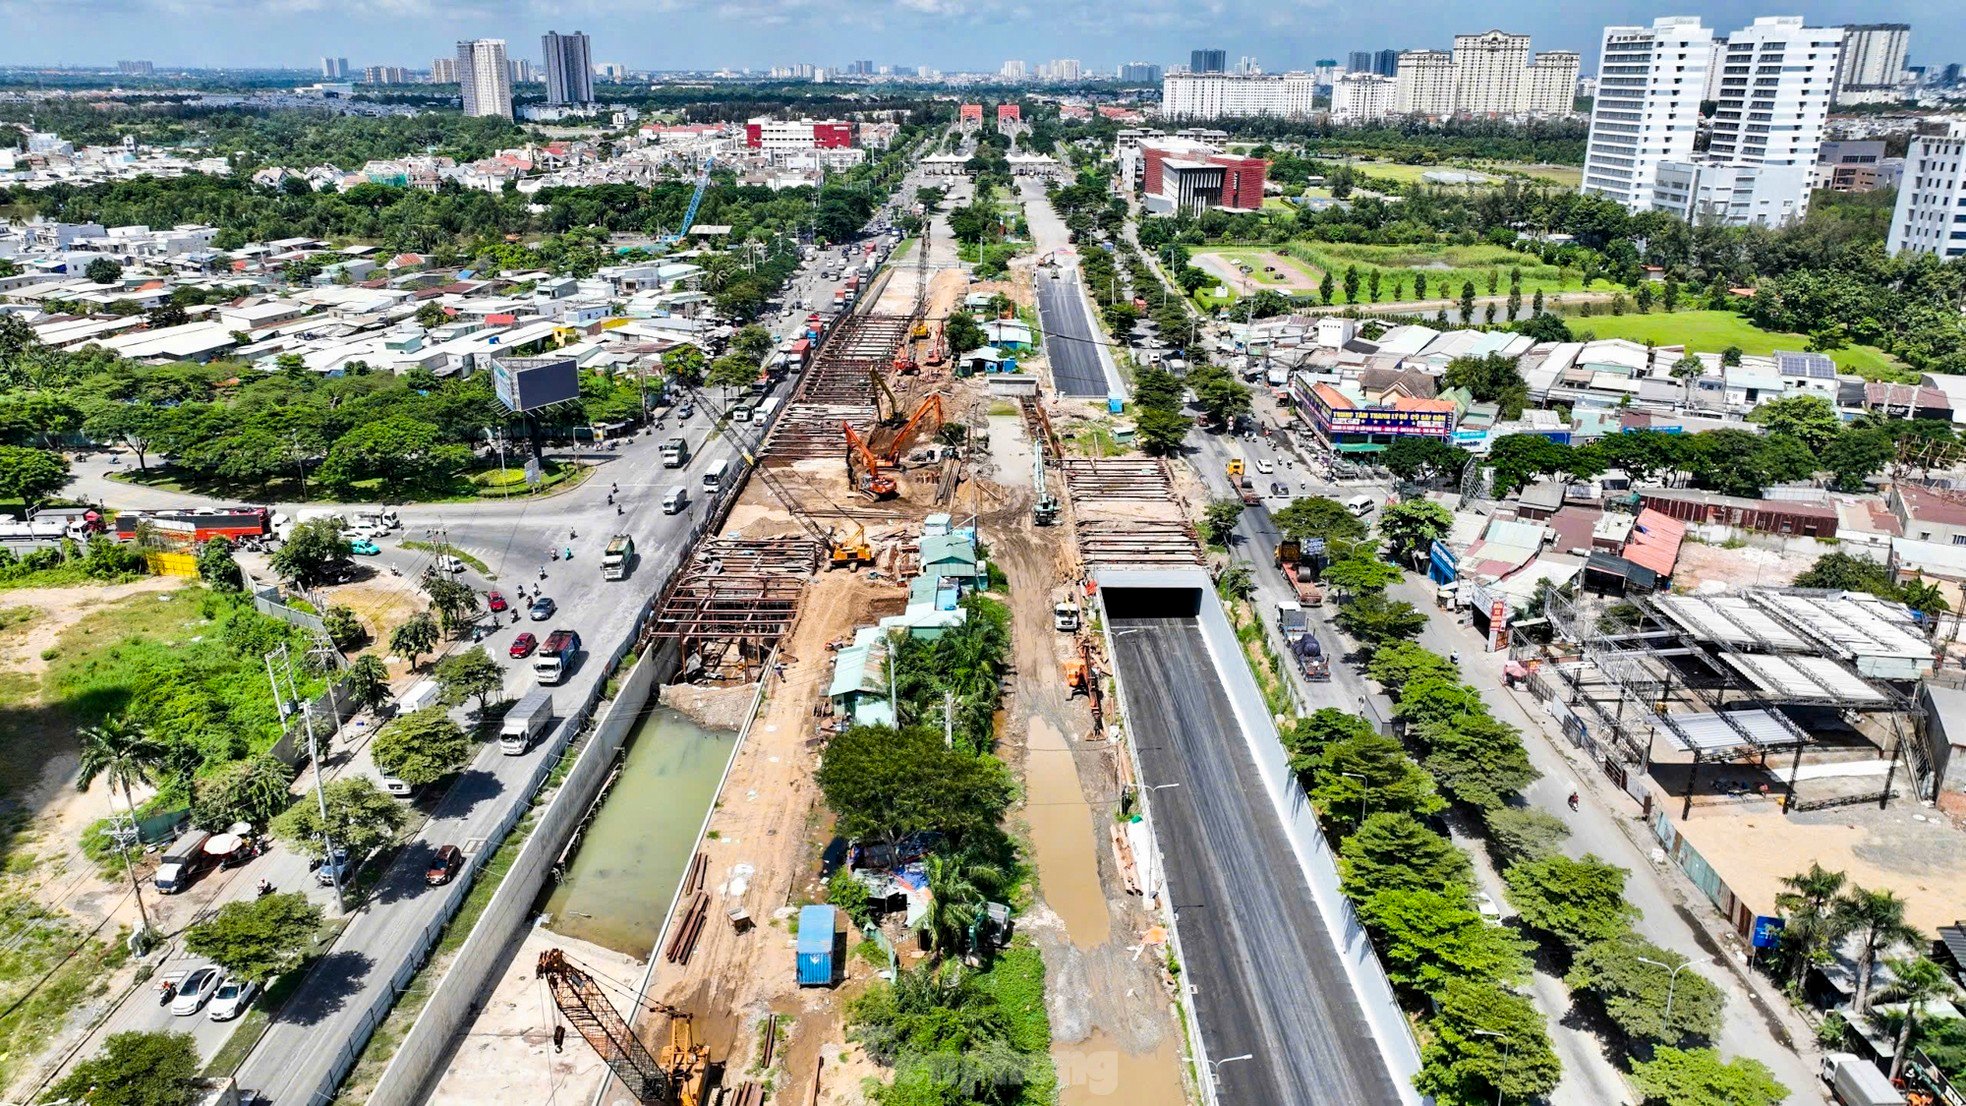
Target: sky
x,y
950,35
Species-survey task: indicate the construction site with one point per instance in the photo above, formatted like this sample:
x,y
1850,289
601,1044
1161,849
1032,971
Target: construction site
x,y
867,510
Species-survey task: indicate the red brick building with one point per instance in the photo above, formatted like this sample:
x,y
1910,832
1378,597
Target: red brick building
x,y
779,135
1193,177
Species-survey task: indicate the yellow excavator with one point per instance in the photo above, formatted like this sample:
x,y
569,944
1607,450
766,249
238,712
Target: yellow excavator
x,y
849,552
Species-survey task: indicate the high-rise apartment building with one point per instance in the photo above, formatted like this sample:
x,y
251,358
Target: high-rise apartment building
x,y
334,69
485,77
443,71
569,68
1363,98
1013,70
1233,96
1424,84
1140,72
1647,109
1066,69
1488,74
385,74
521,71
1208,61
1873,62
135,68
1386,63
1931,213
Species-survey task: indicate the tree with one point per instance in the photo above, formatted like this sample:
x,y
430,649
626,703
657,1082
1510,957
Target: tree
x,y
1476,758
1576,900
1429,936
1360,575
343,627
401,451
1423,460
1326,288
103,271
1492,379
1810,921
251,790
310,550
217,568
122,752
1487,1042
1220,396
135,1069
31,475
1307,736
1162,432
1354,777
421,747
1916,982
1877,920
1402,662
134,424
958,886
472,674
1848,572
1698,1077
1731,356
1467,303
1520,833
732,370
1625,976
1518,457
684,365
1809,419
1393,851
1318,517
368,682
457,604
883,785
1351,284
1412,526
1854,455
259,938
414,638
1218,522
1431,699
361,818
964,333
1375,620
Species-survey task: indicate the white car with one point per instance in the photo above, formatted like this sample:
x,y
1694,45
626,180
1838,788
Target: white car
x,y
1265,466
195,991
233,996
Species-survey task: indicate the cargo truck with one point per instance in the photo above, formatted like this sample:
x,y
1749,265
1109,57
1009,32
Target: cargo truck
x,y
1855,1081
555,657
527,719
618,560
1291,619
183,862
675,453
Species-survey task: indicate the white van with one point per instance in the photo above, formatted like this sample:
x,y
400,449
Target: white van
x,y
766,409
675,500
1360,505
713,477
741,413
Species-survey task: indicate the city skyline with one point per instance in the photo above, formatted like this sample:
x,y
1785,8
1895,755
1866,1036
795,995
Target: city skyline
x,y
687,35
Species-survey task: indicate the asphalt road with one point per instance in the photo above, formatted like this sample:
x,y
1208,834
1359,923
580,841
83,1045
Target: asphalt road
x,y
1070,340
1267,979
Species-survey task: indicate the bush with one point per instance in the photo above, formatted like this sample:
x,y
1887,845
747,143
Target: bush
x,y
850,895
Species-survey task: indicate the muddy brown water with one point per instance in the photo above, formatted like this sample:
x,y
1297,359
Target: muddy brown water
x,y
1097,1072
1063,837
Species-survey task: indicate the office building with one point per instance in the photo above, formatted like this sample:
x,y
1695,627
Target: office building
x,y
569,69
1857,165
1140,72
443,71
1208,61
1359,61
1930,216
1385,63
135,68
334,69
485,77
781,136
1183,175
1489,74
1363,98
1873,64
1647,109
1233,96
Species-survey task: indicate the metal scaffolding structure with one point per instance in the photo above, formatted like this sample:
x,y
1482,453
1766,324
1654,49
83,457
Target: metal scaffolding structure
x,y
583,1004
734,602
840,387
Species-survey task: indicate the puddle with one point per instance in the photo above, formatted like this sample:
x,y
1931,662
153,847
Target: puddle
x,y
1097,1072
1064,838
618,890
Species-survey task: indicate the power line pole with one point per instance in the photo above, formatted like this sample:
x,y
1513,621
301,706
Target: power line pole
x,y
321,799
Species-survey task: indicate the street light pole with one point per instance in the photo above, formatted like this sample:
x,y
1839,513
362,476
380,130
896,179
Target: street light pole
x,y
1672,979
1508,1047
1364,794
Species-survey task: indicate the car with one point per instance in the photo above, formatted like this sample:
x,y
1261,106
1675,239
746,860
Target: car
x,y
444,865
448,563
1265,466
495,601
363,547
397,787
195,991
1278,487
522,646
337,868
233,996
1486,906
542,609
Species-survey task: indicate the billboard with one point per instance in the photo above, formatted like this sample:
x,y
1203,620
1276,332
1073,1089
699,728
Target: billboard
x,y
529,383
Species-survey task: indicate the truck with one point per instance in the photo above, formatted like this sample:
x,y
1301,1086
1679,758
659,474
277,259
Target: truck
x,y
1292,620
675,453
198,525
183,862
1311,660
527,719
555,657
1855,1081
1065,617
1250,496
618,560
1308,593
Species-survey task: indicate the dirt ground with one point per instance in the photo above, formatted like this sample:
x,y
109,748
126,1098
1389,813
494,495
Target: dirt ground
x,y
1289,277
1702,564
714,708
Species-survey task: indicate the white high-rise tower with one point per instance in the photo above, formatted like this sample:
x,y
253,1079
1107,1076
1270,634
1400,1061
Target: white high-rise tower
x,y
483,75
1647,110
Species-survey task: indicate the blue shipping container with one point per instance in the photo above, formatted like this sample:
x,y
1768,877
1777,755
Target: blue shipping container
x,y
816,927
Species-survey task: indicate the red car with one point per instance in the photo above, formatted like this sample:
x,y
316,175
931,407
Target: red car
x,y
495,600
522,646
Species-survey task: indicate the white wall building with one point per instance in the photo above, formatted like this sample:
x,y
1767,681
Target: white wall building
x,y
1489,74
1649,84
1235,96
1931,212
1424,83
1362,98
484,76
1549,85
569,68
1873,63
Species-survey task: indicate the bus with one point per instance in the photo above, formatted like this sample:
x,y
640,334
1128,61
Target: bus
x,y
713,477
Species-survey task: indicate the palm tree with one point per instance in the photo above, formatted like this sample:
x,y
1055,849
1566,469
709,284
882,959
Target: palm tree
x,y
1915,981
1811,921
121,752
957,887
1878,920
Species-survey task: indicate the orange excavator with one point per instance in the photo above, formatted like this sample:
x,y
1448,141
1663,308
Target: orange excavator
x,y
869,481
928,411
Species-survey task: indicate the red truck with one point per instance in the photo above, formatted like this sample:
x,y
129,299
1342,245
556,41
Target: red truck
x,y
197,526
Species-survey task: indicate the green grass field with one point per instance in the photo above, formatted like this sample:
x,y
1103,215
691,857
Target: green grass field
x,y
1713,331
1446,269
1566,176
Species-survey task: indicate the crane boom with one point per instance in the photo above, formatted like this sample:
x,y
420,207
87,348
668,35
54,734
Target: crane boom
x,y
695,200
582,1003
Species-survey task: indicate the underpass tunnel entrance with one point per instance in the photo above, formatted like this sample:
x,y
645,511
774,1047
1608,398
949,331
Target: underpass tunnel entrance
x,y
1151,602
